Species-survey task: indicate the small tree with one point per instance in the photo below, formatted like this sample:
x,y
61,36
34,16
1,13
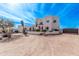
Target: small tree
x,y
4,24
8,24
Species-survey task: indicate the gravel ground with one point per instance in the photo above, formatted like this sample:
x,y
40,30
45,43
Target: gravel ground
x,y
39,45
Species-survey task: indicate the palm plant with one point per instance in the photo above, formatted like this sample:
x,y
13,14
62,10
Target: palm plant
x,y
24,29
22,24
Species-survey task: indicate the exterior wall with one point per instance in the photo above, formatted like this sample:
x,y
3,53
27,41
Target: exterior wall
x,y
49,22
55,25
20,28
39,23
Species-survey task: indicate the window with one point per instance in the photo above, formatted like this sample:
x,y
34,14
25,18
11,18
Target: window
x,y
36,24
56,30
47,28
41,23
47,21
54,21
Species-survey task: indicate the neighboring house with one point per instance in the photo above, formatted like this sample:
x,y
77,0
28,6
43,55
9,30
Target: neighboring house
x,y
28,28
20,28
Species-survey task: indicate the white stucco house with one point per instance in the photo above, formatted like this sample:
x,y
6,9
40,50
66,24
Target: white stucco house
x,y
47,25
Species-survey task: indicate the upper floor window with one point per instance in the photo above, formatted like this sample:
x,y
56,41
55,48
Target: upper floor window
x,y
54,21
47,21
41,23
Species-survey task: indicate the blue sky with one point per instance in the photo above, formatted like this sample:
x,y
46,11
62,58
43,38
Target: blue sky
x,y
68,13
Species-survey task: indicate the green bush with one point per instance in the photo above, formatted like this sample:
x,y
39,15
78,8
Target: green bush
x,y
38,30
44,30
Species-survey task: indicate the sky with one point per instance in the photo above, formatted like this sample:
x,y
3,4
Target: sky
x,y
68,13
